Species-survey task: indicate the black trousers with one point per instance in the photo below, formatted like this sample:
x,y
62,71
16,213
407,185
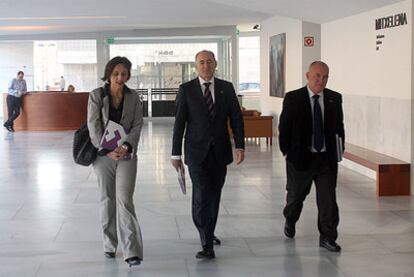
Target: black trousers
x,y
208,180
13,109
298,187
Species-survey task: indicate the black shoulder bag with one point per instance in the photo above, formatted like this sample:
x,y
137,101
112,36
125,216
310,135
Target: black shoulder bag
x,y
84,153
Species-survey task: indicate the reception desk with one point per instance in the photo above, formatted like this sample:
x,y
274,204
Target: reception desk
x,y
50,111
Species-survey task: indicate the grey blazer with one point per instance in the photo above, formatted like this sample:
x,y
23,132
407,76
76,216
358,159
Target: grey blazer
x,y
98,113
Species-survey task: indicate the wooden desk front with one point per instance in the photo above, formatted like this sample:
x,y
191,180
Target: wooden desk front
x,y
50,111
257,127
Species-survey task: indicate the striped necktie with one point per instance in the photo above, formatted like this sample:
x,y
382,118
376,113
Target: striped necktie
x,y
209,100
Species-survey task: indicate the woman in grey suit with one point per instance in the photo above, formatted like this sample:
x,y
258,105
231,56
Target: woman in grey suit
x,y
116,170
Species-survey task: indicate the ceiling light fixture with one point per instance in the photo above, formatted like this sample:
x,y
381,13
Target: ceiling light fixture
x,y
61,18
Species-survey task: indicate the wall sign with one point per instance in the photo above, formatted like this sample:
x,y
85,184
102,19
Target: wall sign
x,y
391,21
110,40
386,23
308,41
165,52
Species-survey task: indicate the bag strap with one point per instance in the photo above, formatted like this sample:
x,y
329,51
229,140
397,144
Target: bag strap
x,y
102,100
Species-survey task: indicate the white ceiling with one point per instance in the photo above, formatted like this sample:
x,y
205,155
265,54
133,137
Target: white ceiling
x,y
56,16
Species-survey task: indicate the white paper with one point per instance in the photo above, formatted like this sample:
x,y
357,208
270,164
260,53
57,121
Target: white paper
x,y
181,177
113,136
339,148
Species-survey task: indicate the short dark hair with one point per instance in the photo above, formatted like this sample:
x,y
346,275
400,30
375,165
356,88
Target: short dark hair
x,y
114,62
20,72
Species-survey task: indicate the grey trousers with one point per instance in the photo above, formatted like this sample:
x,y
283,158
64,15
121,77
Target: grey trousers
x,y
116,180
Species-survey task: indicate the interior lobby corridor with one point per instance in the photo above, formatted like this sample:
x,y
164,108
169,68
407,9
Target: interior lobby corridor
x,y
49,221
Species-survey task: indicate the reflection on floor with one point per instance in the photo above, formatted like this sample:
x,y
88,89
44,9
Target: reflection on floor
x,y
49,217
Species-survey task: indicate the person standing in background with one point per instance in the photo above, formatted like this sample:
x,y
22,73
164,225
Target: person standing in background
x,y
62,83
17,88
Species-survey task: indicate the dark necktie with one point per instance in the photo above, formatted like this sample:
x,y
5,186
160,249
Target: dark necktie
x,y
209,100
317,124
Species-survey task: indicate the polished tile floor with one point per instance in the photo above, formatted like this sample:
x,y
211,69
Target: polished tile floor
x,y
49,217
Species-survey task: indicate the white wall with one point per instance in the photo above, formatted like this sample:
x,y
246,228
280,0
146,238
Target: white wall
x,y
376,85
349,45
293,29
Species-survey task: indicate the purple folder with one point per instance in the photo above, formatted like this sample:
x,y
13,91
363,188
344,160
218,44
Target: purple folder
x,y
114,136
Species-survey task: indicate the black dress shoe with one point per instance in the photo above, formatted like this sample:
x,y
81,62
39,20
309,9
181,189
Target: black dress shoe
x,y
216,240
206,254
289,230
110,255
12,129
330,245
133,261
9,128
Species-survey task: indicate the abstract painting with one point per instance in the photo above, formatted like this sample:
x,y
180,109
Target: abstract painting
x,y
277,61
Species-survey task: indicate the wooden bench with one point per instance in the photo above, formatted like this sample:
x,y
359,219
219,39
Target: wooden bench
x,y
393,175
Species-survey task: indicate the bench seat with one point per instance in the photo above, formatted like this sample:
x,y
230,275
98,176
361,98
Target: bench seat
x,y
393,175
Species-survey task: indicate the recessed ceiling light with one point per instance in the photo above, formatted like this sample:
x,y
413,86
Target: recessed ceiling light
x,y
25,28
23,18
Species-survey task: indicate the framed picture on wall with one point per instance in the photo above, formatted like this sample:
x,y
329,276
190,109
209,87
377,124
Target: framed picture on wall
x,y
277,61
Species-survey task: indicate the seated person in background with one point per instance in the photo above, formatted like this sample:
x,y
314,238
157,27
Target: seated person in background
x,y
71,88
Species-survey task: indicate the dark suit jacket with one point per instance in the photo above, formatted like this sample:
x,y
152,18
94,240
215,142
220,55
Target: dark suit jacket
x,y
295,127
191,116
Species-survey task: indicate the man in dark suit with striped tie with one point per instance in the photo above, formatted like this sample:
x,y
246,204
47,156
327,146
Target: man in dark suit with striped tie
x,y
310,123
204,107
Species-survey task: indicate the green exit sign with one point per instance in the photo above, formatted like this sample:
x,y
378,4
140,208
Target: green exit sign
x,y
110,40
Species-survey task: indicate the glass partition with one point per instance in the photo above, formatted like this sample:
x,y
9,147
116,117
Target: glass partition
x,y
75,60
249,64
160,66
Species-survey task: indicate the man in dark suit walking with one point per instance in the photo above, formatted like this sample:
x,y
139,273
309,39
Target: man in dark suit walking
x,y
204,106
311,124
